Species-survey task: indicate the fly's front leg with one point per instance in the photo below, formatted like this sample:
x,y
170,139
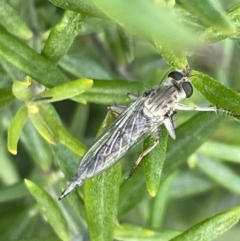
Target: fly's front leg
x,y
144,153
132,96
196,108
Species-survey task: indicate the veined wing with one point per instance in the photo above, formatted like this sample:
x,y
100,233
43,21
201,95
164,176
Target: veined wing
x,y
97,158
131,127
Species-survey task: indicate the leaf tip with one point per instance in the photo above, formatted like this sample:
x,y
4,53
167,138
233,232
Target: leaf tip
x,y
12,150
27,182
152,192
90,81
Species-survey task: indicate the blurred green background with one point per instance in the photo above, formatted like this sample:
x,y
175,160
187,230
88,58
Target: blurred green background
x,y
124,47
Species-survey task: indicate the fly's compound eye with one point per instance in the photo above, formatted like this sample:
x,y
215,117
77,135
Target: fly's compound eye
x,y
188,89
176,75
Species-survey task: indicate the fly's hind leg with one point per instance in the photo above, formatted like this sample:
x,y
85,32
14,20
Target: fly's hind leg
x,y
118,109
144,153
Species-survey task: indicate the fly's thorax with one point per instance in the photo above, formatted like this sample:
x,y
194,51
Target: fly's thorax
x,y
160,102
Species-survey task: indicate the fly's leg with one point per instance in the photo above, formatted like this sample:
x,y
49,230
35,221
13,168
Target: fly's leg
x,y
144,153
132,96
117,109
168,122
76,181
196,108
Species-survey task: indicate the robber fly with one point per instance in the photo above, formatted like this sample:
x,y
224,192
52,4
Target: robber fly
x,y
134,124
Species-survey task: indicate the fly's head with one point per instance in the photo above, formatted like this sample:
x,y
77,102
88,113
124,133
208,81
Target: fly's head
x,y
180,81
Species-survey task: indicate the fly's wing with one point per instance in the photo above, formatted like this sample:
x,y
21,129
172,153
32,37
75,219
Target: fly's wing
x,y
130,128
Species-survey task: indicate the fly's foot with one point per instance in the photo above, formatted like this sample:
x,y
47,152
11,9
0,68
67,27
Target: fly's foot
x,y
132,170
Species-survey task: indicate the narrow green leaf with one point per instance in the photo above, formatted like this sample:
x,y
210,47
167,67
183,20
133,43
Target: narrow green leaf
x,y
188,18
30,62
37,147
67,160
210,228
126,41
12,72
21,90
79,120
65,91
221,151
43,128
6,96
142,21
81,6
121,44
154,161
211,14
113,42
234,15
80,64
133,233
160,202
13,192
50,210
132,192
9,173
220,173
216,93
15,129
109,92
9,17
188,183
170,40
101,198
212,35
48,114
69,140
128,232
175,58
62,35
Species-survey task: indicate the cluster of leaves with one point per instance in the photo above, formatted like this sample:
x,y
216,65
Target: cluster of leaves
x,y
96,51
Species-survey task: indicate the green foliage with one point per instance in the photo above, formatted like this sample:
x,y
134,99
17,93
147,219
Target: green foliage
x,y
47,203
92,53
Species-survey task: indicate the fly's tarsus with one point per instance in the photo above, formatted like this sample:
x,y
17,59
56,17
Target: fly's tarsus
x,y
229,113
132,170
